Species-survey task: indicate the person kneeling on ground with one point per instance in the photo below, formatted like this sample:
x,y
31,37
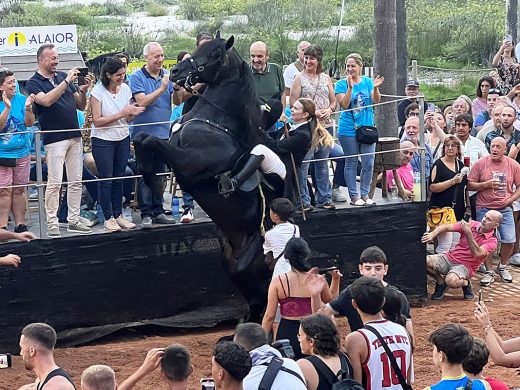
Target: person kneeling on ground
x,y
455,268
475,362
253,338
451,345
175,365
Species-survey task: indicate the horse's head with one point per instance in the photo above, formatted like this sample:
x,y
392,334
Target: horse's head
x,y
205,64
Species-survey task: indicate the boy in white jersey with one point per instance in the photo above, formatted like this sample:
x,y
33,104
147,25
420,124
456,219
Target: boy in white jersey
x,y
372,367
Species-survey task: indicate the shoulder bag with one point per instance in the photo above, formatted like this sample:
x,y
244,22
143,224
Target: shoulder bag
x,y
365,134
436,216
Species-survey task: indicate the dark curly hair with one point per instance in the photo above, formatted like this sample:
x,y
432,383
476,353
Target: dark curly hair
x,y
296,252
322,330
233,358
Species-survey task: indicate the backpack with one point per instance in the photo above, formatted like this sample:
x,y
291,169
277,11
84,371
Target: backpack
x,y
275,366
340,381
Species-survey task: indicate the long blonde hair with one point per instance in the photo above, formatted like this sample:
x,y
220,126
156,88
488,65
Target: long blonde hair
x,y
320,136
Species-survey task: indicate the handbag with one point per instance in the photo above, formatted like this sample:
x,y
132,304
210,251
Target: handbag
x,y
270,260
391,357
365,134
436,216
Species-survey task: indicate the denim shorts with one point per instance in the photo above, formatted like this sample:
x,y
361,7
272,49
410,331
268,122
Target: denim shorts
x,y
506,230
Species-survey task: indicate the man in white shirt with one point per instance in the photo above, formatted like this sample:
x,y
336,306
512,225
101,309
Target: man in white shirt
x,y
296,67
253,339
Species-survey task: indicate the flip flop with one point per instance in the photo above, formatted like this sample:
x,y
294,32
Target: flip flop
x,y
359,202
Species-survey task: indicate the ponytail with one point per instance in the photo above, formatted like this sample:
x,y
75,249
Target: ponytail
x,y
320,135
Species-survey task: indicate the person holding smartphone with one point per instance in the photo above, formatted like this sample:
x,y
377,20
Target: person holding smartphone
x,y
507,66
455,268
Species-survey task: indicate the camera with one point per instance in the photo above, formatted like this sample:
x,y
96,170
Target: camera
x,y
284,347
207,384
5,360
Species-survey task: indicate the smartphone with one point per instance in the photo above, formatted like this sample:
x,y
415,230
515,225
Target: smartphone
x,y
5,360
207,384
480,296
431,107
323,271
466,217
82,72
509,38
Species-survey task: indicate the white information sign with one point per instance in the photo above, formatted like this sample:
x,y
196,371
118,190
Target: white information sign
x,y
22,41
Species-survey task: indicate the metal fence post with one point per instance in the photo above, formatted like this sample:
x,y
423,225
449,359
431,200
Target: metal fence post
x,y
423,150
414,69
39,180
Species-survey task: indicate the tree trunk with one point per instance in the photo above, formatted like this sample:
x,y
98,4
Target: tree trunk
x,y
401,46
385,63
512,18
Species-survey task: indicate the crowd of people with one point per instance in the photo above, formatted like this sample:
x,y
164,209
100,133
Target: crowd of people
x,y
472,173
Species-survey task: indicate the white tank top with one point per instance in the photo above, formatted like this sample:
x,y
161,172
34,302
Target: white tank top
x,y
378,372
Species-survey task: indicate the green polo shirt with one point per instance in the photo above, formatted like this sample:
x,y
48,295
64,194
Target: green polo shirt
x,y
268,83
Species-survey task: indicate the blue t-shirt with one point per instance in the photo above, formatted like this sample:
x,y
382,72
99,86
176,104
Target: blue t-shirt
x,y
14,145
452,383
159,111
361,97
480,120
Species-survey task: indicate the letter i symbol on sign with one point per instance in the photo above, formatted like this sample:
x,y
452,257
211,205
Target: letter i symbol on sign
x,y
16,39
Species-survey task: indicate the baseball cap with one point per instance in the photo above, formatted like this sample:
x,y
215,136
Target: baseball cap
x,y
412,83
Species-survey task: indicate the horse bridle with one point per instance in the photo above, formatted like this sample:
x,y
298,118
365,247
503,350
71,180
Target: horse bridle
x,y
191,80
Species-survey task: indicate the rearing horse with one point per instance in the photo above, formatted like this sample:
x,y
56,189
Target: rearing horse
x,y
223,126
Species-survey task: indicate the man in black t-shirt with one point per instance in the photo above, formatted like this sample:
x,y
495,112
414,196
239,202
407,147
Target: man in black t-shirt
x,y
56,101
372,263
37,351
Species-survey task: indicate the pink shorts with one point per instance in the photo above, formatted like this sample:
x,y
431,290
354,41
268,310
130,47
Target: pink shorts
x,y
17,175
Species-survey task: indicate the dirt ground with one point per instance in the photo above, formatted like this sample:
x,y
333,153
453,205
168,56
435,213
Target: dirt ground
x,y
125,352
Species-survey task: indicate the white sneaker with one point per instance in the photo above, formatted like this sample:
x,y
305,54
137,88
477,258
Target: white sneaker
x,y
487,279
515,259
187,216
337,196
111,225
124,224
504,274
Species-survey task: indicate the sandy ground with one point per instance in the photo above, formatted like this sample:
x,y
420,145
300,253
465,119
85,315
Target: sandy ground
x,y
125,352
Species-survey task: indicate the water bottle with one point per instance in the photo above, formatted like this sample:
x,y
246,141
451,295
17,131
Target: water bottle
x,y
417,186
394,192
127,214
175,206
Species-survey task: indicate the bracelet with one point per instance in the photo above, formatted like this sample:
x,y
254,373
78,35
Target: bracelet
x,y
452,181
66,82
487,327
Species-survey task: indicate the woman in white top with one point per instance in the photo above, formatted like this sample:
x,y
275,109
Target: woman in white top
x,y
111,111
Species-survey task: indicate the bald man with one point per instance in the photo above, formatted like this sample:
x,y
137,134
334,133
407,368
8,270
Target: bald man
x,y
268,76
411,133
493,178
405,171
455,268
296,67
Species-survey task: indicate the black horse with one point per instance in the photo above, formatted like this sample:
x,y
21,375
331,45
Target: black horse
x,y
213,138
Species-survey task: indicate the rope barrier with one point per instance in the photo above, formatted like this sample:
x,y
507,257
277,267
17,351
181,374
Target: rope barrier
x,y
170,173
169,122
454,70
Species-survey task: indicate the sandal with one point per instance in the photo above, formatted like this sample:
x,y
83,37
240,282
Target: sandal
x,y
359,202
369,202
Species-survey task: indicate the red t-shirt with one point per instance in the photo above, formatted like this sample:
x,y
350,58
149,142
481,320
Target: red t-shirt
x,y
461,254
496,384
483,170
